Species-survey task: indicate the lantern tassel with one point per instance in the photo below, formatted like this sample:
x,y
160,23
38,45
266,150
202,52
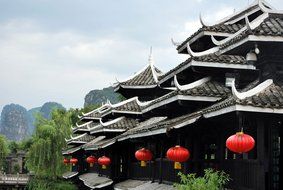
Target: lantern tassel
x,y
104,167
143,164
74,164
177,166
91,164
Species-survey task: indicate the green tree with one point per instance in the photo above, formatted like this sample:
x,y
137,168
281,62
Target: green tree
x,y
3,151
13,147
25,144
44,157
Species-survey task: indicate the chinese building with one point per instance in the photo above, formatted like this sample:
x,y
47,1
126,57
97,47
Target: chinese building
x,y
231,82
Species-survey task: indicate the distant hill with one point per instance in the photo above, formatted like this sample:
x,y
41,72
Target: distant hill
x,y
17,123
47,108
14,122
96,97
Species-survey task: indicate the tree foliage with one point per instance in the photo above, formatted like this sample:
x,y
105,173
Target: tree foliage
x,y
44,157
3,150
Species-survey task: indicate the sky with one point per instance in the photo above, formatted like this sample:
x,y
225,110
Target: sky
x,y
59,50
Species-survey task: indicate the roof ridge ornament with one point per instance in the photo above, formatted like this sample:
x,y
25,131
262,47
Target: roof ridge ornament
x,y
259,88
151,64
104,124
249,26
198,54
190,85
175,43
263,5
202,22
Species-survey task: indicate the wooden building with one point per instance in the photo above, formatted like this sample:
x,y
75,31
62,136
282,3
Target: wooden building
x,y
231,81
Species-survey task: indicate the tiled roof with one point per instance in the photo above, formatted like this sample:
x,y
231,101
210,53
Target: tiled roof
x,y
94,142
166,124
125,123
145,78
84,138
131,106
128,106
271,26
100,144
85,127
219,28
228,59
120,124
211,58
208,89
271,97
71,150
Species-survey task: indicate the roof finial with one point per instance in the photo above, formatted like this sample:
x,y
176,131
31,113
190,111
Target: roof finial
x,y
150,58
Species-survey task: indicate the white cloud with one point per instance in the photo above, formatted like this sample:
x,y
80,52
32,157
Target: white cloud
x,y
39,66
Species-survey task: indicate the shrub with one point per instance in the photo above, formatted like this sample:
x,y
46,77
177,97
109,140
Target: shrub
x,y
212,180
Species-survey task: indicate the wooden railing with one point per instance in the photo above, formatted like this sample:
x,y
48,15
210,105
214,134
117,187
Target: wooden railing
x,y
13,179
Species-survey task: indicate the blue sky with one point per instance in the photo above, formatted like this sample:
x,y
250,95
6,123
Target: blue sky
x,y
59,50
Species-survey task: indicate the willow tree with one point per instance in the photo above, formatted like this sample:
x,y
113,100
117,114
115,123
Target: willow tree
x,y
44,157
3,151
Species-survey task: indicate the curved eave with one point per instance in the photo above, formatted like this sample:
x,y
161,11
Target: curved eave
x,y
107,130
101,145
223,65
183,98
80,131
193,63
87,118
163,130
71,150
76,142
198,35
127,112
134,87
243,108
251,39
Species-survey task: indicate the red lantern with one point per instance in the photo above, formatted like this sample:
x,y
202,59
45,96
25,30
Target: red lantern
x,y
74,161
178,154
91,160
66,161
240,143
104,161
143,155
